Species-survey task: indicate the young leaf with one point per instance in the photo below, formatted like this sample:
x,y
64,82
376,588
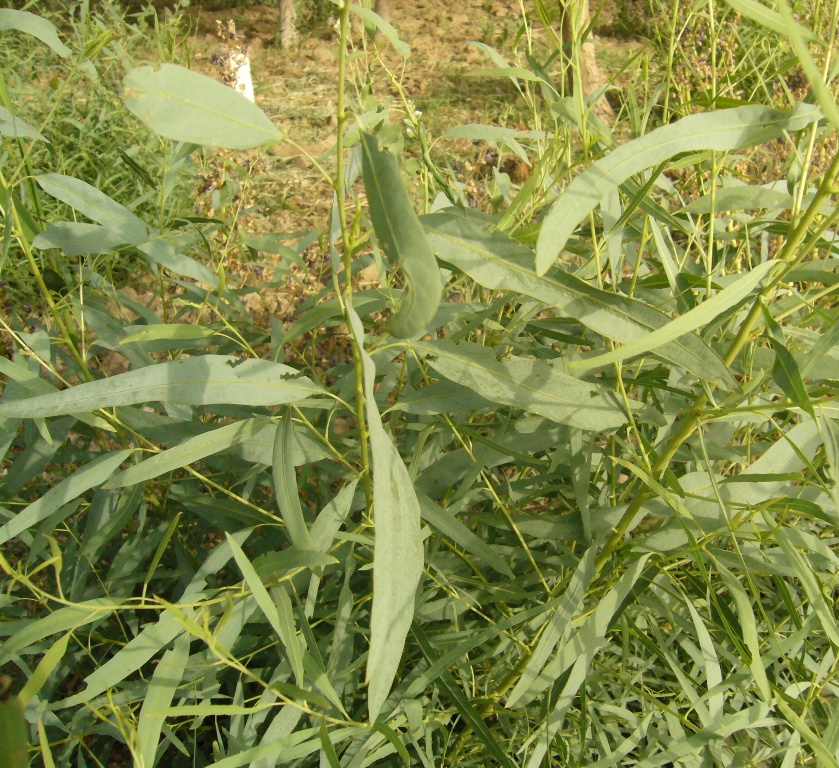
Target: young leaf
x,y
204,380
285,485
402,238
46,667
724,130
187,106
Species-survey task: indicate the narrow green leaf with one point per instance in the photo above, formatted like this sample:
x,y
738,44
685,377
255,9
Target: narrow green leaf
x,y
452,528
89,476
62,620
187,106
524,383
398,551
748,624
283,628
188,452
154,636
96,205
463,705
723,130
692,320
785,370
812,587
13,732
327,748
388,30
558,626
493,259
402,238
285,484
46,666
332,517
37,26
204,380
394,739
158,697
17,128
169,332
78,238
272,566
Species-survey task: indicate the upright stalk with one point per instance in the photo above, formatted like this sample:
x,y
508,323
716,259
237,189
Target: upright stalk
x,y
348,247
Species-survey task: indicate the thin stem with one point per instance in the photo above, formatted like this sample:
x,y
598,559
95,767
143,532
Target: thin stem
x,y
345,296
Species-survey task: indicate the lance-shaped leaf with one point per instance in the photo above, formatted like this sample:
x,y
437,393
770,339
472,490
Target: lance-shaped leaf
x,y
96,205
525,383
187,106
78,238
285,485
121,225
17,128
398,551
724,130
37,26
402,238
89,476
206,380
493,259
695,318
158,697
189,451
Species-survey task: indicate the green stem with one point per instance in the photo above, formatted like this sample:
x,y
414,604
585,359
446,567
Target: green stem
x,y
345,295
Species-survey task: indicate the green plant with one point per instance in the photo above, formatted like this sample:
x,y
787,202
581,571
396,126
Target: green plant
x,y
570,506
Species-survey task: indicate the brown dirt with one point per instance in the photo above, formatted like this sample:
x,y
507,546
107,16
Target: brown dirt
x,y
297,86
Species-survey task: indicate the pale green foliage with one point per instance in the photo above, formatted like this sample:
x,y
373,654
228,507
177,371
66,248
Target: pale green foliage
x,y
575,504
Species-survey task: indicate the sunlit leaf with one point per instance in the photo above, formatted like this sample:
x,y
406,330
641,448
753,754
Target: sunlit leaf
x,y
187,106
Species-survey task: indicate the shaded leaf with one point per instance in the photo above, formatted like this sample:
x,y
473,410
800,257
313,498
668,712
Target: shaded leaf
x,y
402,238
